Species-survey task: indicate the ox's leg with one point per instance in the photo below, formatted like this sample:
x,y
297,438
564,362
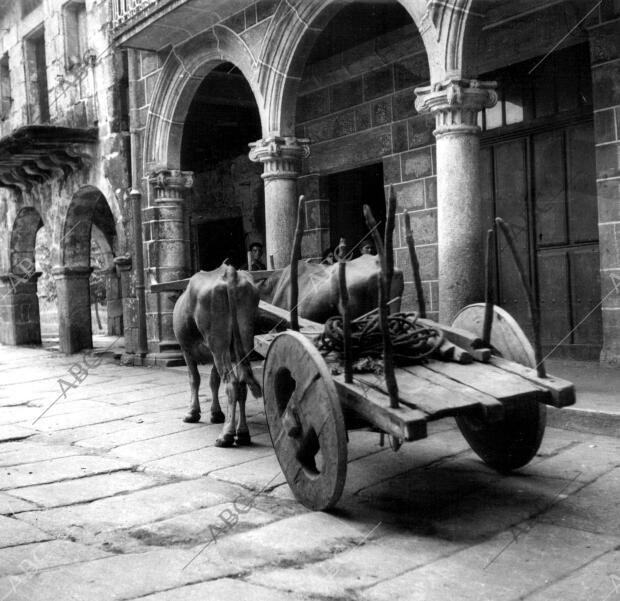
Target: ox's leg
x,y
217,416
193,413
227,438
242,434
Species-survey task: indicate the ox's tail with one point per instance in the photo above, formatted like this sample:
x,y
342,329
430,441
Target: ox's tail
x,y
239,352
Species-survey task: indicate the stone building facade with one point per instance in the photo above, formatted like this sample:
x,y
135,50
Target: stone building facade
x,y
63,164
470,109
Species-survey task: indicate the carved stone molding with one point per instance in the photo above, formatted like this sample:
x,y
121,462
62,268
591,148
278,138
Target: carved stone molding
x,y
456,103
171,184
72,272
281,156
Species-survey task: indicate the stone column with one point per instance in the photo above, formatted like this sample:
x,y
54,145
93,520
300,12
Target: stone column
x,y
130,316
114,302
460,231
281,157
605,58
165,243
74,319
20,322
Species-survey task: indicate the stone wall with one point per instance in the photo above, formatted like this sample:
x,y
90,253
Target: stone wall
x,y
86,93
605,52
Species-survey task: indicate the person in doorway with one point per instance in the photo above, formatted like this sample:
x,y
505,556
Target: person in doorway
x,y
256,255
328,257
368,248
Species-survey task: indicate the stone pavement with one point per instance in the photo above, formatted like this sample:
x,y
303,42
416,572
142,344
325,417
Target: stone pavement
x,y
109,495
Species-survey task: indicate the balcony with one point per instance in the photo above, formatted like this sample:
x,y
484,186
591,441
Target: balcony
x,y
156,24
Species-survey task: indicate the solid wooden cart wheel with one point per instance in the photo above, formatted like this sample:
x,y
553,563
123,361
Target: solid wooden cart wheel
x,y
305,420
513,441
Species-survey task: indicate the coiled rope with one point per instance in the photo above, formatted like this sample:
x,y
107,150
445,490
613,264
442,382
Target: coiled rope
x,y
411,341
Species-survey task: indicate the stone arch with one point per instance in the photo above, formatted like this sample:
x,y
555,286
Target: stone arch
x,y
185,68
19,305
87,207
23,237
447,30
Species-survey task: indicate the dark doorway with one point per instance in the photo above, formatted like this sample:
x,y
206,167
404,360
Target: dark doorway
x,y
219,240
349,191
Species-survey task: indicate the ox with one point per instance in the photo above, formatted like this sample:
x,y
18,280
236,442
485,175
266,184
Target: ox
x,y
319,291
218,311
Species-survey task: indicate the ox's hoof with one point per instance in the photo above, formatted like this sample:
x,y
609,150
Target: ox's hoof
x,y
192,418
243,439
217,417
227,440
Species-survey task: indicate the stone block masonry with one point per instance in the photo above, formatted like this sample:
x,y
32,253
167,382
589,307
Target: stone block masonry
x,y
605,56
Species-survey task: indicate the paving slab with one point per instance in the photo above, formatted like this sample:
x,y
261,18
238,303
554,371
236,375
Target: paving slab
x,y
10,505
504,502
131,509
31,452
124,576
167,445
40,556
504,568
207,460
14,531
63,468
10,432
224,589
597,581
368,470
306,537
198,526
104,413
372,559
258,474
136,432
81,490
593,508
588,460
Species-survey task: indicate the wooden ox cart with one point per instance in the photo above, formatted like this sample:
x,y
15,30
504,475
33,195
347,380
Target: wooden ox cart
x,y
495,387
498,402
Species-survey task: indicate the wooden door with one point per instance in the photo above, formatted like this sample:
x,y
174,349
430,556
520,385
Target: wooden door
x,y
348,192
544,186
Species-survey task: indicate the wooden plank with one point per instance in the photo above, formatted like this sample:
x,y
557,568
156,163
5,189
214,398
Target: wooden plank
x,y
402,422
434,394
283,315
561,392
262,342
498,383
492,408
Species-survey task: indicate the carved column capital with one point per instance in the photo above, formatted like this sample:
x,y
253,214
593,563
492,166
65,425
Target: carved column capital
x,y
170,184
281,156
456,103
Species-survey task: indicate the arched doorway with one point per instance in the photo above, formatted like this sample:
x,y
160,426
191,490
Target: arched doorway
x,y
358,67
88,232
20,304
226,204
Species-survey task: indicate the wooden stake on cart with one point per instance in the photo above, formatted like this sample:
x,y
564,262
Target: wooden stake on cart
x,y
487,324
388,361
295,256
533,305
415,265
344,310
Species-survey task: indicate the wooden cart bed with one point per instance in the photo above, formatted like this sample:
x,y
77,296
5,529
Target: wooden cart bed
x,y
435,389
